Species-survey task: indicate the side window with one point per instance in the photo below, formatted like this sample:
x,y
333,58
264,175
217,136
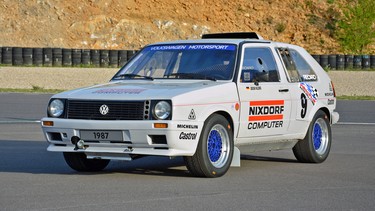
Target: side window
x,y
259,66
289,65
297,68
305,71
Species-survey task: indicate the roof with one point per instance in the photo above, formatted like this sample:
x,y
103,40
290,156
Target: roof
x,y
233,35
235,38
216,41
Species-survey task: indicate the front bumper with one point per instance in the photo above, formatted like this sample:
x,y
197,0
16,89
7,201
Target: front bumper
x,y
180,138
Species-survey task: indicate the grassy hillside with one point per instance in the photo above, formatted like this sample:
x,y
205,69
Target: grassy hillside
x,y
130,24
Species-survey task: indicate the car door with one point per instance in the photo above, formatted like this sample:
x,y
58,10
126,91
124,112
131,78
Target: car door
x,y
302,86
263,92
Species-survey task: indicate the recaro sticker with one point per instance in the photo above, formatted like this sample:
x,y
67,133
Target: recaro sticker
x,y
309,77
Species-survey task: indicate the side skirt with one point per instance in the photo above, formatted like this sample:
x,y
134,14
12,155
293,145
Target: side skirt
x,y
259,146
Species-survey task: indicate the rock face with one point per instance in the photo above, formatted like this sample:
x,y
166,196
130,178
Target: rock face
x,y
131,24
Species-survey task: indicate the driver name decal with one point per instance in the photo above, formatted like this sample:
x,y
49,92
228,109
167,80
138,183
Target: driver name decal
x,y
266,114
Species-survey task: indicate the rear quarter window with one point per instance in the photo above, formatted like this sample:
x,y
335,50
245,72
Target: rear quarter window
x,y
297,67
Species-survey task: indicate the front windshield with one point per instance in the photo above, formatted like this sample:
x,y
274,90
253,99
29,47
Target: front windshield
x,y
182,61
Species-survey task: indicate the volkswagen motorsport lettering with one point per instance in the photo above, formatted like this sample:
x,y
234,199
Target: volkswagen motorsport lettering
x,y
192,47
266,114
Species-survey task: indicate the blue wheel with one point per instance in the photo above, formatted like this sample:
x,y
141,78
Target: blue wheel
x,y
218,146
215,149
315,147
320,136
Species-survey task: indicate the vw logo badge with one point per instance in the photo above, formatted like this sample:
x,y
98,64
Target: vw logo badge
x,y
104,109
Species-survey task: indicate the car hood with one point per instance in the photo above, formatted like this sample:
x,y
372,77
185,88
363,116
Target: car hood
x,y
139,90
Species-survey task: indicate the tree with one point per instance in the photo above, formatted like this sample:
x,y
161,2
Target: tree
x,y
356,28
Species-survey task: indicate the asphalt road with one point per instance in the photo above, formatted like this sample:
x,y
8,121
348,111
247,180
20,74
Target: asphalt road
x,y
33,179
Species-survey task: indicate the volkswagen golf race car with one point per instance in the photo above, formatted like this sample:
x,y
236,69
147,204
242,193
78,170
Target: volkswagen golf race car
x,y
207,100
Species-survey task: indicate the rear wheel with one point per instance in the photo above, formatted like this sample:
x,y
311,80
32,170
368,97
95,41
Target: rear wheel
x,y
79,162
215,149
315,147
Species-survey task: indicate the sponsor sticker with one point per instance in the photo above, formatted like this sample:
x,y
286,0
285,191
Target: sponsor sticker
x,y
118,91
309,77
310,91
187,136
266,114
192,115
246,76
187,126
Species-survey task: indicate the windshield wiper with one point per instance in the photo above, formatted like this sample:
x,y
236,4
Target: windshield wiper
x,y
192,76
126,75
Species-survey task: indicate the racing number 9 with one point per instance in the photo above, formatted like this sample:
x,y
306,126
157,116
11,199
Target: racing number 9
x,y
304,105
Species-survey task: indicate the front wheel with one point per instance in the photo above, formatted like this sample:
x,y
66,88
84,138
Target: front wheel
x,y
315,147
215,149
79,162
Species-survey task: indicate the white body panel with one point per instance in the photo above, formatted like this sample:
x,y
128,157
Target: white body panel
x,y
136,134
193,101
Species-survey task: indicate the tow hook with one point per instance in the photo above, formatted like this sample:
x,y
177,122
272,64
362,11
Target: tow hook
x,y
78,143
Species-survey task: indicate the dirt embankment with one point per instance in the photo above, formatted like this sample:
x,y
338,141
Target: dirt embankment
x,y
131,24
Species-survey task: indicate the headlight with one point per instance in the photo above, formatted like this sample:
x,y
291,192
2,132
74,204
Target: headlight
x,y
56,108
162,110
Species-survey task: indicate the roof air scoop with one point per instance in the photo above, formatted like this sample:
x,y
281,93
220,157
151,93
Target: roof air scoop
x,y
233,35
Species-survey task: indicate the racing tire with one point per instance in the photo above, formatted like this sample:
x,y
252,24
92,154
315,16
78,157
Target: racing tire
x,y
214,153
315,147
79,162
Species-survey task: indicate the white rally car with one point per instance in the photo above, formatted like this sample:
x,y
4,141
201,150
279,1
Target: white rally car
x,y
207,100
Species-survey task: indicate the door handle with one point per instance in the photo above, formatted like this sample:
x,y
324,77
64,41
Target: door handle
x,y
283,90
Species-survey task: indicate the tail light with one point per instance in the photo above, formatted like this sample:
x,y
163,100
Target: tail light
x,y
333,89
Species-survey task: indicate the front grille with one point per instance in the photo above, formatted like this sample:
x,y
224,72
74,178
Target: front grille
x,y
117,110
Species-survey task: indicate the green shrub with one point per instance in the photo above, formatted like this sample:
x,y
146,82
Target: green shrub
x,y
355,31
280,27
